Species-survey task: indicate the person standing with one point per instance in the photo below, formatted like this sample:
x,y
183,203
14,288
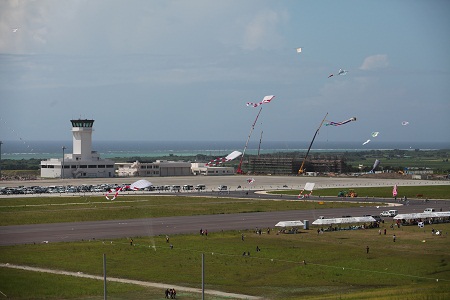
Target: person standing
x,y
367,249
394,237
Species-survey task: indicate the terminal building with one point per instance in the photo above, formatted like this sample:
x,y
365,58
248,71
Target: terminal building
x,y
159,168
83,162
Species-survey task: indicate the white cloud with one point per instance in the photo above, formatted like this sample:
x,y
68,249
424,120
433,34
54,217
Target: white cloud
x,y
373,62
261,31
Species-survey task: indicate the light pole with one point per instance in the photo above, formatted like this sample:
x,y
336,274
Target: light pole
x,y
62,166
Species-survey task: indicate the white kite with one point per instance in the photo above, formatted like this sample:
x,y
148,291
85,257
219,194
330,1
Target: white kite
x,y
309,186
225,159
375,165
331,123
299,50
340,72
375,134
266,99
404,123
366,142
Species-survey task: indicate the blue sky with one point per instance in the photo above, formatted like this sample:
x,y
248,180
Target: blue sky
x,y
183,70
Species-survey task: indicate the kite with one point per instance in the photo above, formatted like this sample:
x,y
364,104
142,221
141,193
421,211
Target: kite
x,y
309,186
116,193
140,184
375,133
250,180
366,142
340,72
340,123
299,50
404,123
375,165
394,191
266,99
221,160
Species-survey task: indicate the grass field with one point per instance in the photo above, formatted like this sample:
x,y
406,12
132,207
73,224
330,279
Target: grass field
x,y
426,192
337,266
16,211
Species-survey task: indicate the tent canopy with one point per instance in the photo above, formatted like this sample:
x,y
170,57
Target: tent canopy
x,y
343,220
423,215
289,224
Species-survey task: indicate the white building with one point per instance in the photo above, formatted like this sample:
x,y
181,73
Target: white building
x,y
202,169
159,168
83,162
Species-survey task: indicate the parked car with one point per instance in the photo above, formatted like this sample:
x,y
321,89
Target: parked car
x,y
200,187
223,188
429,210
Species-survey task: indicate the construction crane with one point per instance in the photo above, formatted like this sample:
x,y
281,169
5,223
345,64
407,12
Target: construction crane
x,y
300,171
239,170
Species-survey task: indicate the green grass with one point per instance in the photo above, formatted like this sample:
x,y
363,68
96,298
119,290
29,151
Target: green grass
x,y
337,265
430,192
36,210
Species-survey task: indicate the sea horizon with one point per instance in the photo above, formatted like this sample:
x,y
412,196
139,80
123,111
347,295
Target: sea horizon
x,y
110,149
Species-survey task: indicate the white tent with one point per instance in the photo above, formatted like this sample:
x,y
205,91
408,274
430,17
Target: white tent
x,y
423,215
140,184
289,224
343,220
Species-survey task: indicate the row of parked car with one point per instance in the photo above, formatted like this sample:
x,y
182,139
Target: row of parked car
x,y
92,188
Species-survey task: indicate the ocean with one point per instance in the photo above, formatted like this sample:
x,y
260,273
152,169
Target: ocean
x,y
109,149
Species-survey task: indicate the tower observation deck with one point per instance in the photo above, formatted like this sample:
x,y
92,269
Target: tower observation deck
x,y
82,138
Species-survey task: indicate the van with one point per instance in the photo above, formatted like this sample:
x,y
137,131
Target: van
x,y
223,188
393,213
385,214
429,210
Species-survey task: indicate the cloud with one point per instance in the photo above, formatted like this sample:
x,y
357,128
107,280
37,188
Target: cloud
x,y
373,62
261,31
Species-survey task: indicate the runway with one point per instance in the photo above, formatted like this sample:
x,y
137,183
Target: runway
x,y
113,229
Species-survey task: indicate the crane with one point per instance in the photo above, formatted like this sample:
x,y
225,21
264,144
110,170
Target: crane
x,y
300,171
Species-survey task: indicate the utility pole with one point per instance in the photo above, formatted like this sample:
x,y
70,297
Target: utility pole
x,y
62,166
104,276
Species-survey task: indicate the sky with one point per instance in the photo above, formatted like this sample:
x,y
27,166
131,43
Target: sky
x,y
166,70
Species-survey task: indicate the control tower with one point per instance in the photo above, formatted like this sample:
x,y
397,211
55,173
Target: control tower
x,y
82,162
82,138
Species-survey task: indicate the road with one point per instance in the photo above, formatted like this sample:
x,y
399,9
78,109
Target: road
x,y
77,231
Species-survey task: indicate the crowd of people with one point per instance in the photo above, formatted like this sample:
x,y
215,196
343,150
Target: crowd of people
x,y
170,294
